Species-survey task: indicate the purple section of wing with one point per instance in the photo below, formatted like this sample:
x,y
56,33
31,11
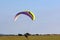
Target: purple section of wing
x,y
26,13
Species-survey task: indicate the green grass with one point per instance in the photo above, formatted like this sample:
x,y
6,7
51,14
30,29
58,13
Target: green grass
x,y
56,37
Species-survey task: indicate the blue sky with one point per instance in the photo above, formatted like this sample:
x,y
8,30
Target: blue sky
x,y
47,14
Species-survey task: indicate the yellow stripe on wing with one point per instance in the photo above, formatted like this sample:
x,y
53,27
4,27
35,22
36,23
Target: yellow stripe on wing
x,y
33,16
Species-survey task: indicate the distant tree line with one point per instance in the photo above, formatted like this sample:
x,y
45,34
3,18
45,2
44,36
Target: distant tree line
x,y
28,34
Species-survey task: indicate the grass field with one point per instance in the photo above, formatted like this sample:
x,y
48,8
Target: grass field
x,y
56,37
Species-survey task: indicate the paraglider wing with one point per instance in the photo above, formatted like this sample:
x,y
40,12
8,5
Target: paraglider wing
x,y
32,14
28,13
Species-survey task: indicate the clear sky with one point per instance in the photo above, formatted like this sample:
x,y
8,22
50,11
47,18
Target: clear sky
x,y
47,14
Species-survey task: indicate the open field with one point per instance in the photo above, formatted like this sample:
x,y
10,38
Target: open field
x,y
52,37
